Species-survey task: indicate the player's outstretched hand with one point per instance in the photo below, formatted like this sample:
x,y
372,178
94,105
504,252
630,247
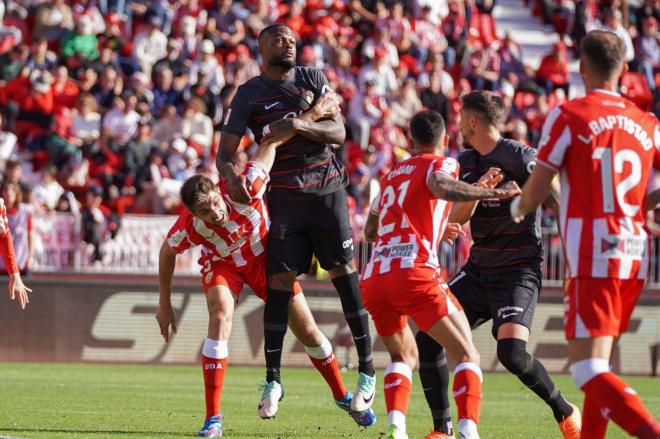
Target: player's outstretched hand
x,y
327,106
508,190
165,317
491,178
237,188
18,291
452,231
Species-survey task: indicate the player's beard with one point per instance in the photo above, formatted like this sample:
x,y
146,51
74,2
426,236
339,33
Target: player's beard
x,y
279,61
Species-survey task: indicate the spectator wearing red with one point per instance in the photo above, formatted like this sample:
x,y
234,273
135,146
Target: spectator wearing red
x,y
28,102
65,91
428,37
553,71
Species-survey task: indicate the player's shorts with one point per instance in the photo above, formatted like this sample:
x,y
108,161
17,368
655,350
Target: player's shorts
x,y
391,297
315,225
253,274
509,296
599,307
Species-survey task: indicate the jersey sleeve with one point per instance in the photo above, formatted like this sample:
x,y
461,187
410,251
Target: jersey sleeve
x,y
525,164
555,139
322,84
238,114
6,244
178,237
257,179
448,166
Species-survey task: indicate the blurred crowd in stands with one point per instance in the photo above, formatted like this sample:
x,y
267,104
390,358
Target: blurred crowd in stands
x,y
109,105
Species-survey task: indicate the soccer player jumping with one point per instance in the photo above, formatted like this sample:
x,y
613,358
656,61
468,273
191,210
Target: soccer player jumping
x,y
407,221
502,278
233,236
603,147
306,198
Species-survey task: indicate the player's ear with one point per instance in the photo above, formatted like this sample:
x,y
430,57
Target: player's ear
x,y
445,141
624,69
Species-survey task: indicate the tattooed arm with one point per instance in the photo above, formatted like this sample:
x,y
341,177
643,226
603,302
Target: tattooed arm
x,y
444,187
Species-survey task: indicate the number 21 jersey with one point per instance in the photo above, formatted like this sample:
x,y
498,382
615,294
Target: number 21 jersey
x,y
411,221
604,148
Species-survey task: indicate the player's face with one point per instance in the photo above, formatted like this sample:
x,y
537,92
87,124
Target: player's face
x,y
213,210
467,126
280,49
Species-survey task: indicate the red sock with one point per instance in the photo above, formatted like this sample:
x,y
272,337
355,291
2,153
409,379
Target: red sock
x,y
621,404
324,360
594,424
397,383
467,391
214,373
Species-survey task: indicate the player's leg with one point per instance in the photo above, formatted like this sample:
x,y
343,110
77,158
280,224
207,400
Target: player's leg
x,y
434,377
591,334
397,380
320,352
433,369
453,333
220,304
289,251
332,238
512,298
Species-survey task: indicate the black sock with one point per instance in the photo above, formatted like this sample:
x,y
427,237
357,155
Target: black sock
x,y
276,317
434,375
513,355
348,287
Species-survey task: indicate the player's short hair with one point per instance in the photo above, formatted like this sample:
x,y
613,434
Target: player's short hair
x,y
195,190
487,105
604,52
427,127
270,30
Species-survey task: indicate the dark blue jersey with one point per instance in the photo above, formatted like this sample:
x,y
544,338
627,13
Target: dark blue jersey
x,y
498,241
302,167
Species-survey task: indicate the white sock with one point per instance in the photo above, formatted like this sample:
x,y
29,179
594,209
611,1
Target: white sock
x,y
398,419
468,428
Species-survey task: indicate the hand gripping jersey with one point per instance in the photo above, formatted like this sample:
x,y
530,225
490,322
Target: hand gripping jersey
x,y
603,147
239,240
411,221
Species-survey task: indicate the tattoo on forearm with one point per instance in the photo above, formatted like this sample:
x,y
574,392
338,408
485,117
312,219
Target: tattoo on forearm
x,y
454,190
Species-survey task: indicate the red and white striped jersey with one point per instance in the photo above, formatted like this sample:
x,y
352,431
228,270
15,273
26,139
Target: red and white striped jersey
x,y
604,148
241,238
411,221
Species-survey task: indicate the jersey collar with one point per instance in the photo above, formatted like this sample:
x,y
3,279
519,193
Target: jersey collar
x,y
607,92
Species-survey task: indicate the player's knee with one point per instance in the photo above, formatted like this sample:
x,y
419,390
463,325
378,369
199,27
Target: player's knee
x,y
282,281
428,348
220,317
513,355
342,270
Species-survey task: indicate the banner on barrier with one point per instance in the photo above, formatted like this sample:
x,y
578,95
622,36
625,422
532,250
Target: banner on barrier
x,y
116,324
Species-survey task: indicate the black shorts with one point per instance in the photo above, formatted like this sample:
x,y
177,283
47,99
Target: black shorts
x,y
317,226
506,297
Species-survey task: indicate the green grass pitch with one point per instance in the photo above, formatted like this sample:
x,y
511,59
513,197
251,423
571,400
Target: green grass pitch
x,y
137,401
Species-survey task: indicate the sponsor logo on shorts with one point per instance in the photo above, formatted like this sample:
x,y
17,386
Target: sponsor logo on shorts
x,y
348,243
508,311
397,251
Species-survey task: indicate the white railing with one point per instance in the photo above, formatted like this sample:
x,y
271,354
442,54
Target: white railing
x,y
59,248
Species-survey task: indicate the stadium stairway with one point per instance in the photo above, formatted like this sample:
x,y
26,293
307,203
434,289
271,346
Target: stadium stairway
x,y
535,38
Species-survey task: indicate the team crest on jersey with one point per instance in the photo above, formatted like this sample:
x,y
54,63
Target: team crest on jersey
x,y
308,96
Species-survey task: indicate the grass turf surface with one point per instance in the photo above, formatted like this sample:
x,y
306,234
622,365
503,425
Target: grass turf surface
x,y
113,401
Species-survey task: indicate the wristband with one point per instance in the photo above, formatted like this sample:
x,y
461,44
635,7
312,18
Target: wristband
x,y
514,208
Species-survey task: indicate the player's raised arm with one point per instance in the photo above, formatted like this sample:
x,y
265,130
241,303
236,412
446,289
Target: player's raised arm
x,y
165,314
